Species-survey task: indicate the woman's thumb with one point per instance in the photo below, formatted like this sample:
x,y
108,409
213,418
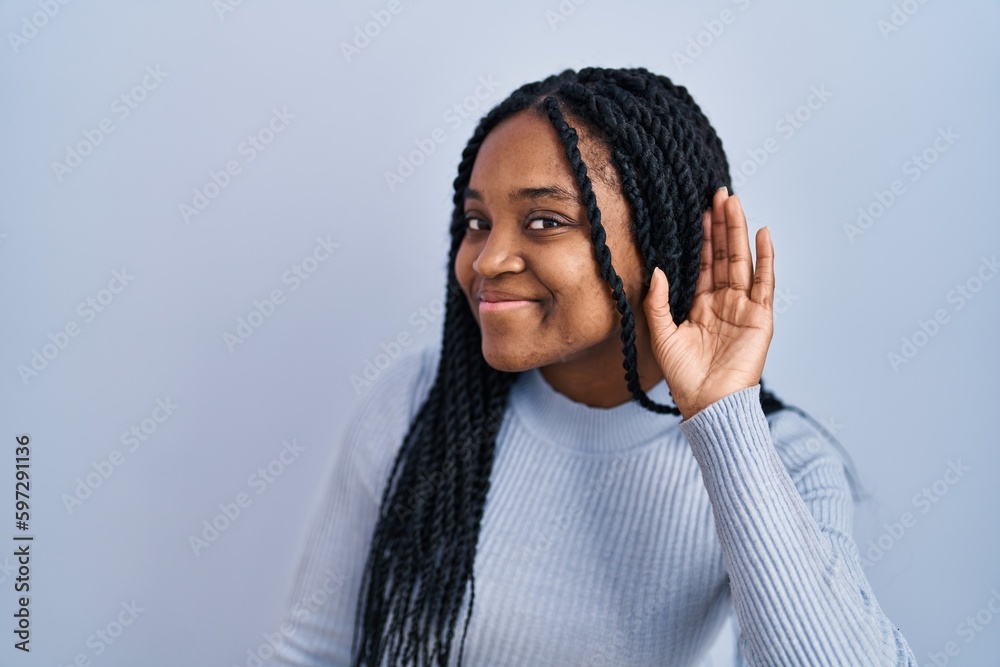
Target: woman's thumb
x,y
658,319
657,304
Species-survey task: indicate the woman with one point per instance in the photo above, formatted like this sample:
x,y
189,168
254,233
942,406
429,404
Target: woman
x,y
516,498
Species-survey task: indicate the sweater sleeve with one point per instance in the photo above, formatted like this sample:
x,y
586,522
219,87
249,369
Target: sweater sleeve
x,y
798,589
318,625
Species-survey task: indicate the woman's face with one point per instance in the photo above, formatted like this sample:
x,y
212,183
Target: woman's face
x,y
526,264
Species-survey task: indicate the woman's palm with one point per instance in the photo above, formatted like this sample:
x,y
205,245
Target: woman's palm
x,y
721,347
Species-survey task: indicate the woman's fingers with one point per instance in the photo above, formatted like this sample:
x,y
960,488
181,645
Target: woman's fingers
x,y
720,243
727,248
740,260
705,280
763,279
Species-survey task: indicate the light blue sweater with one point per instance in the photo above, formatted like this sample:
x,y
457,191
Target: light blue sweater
x,y
615,536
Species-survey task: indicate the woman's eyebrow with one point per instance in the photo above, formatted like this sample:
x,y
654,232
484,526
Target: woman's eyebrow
x,y
543,192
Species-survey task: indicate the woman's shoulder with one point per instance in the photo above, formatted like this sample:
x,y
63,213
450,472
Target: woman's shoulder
x,y
399,386
380,420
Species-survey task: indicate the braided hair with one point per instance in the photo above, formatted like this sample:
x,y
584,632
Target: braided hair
x,y
670,162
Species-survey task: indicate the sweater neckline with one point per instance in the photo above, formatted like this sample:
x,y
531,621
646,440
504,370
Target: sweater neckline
x,y
570,424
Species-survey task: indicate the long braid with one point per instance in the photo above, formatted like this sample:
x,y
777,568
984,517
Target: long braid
x,y
424,543
568,136
423,548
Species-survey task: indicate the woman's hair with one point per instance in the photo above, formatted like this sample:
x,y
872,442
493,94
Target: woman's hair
x,y
670,162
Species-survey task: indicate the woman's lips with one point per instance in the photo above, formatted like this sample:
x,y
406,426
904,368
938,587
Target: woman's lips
x,y
494,306
495,300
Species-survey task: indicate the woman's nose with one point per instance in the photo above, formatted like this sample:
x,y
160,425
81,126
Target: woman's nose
x,y
500,253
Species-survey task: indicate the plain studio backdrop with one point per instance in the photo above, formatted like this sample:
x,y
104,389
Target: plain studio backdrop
x,y
215,214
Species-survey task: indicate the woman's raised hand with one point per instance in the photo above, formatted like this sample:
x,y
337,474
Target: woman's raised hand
x,y
721,347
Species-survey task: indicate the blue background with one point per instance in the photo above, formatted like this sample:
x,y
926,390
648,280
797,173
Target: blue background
x,y
846,300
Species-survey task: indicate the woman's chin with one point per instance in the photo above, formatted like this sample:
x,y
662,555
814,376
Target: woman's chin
x,y
511,358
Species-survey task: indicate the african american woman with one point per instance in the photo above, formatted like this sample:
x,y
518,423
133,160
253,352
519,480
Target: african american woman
x,y
525,493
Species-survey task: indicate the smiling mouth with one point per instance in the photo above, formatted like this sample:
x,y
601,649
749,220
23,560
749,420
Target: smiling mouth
x,y
498,306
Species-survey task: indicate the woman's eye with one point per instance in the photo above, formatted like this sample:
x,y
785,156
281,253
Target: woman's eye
x,y
554,223
478,224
